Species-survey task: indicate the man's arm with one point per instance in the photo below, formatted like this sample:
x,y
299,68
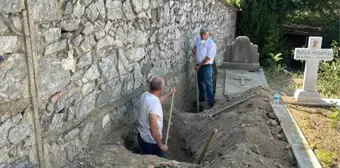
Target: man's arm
x,y
155,131
206,59
164,97
194,51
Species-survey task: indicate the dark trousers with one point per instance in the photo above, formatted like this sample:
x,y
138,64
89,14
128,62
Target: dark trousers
x,y
205,83
148,148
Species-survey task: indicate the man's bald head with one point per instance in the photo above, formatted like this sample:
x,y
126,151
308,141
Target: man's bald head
x,y
157,83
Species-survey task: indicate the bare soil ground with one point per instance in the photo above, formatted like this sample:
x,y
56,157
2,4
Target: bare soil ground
x,y
322,137
248,136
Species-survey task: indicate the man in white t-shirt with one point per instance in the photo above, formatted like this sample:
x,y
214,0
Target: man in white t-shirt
x,y
151,119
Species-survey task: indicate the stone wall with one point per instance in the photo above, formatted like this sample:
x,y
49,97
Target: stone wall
x,y
94,59
16,130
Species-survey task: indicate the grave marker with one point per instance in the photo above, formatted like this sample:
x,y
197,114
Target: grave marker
x,y
242,79
312,55
242,54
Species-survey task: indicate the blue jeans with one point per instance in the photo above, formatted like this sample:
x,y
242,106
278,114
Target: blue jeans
x,y
205,83
148,148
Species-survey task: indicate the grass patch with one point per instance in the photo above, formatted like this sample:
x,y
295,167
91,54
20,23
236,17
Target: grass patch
x,y
322,137
286,82
289,82
334,117
326,157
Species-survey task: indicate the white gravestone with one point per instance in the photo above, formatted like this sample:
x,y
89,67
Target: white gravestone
x,y
312,55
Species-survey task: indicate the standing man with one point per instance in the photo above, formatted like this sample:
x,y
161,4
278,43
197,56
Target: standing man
x,y
151,119
204,52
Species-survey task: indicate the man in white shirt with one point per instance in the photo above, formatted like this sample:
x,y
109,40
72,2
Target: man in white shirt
x,y
204,52
151,119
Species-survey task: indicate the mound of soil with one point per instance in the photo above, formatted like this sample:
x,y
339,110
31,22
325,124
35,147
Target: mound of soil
x,y
249,135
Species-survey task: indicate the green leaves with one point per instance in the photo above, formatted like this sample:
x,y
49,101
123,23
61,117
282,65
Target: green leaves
x,y
277,57
235,3
275,65
329,75
261,21
316,13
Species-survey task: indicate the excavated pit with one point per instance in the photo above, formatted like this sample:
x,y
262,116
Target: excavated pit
x,y
249,135
180,150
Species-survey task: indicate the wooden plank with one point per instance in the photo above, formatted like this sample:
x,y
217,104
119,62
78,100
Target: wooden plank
x,y
304,155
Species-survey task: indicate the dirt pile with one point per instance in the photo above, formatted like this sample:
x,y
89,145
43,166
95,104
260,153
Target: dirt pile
x,y
248,135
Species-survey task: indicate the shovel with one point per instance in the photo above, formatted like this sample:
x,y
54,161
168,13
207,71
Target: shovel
x,y
169,122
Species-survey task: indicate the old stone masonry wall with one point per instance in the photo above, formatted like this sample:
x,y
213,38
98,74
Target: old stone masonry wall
x,y
72,70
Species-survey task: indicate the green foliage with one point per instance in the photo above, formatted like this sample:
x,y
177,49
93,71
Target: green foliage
x,y
323,14
261,21
274,61
334,116
235,3
315,12
326,157
329,75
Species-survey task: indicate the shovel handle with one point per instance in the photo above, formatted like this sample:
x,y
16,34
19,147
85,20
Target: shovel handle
x,y
169,122
197,94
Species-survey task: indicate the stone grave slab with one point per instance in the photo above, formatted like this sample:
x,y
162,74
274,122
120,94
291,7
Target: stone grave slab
x,y
238,81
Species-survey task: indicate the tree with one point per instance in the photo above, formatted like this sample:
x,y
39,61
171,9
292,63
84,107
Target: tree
x,y
318,13
261,21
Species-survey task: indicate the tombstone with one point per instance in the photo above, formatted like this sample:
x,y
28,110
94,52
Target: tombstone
x,y
242,54
241,69
312,55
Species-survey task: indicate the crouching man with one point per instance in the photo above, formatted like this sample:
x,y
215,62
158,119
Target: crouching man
x,y
151,119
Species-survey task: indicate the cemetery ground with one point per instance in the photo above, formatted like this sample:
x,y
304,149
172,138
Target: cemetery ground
x,y
248,135
320,125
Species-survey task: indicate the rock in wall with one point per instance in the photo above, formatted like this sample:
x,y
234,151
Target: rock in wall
x,y
95,58
15,128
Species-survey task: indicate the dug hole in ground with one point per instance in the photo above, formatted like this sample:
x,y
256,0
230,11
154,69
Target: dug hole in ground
x,y
249,135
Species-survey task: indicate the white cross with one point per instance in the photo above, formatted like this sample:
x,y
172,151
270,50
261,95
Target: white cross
x,y
313,54
242,78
